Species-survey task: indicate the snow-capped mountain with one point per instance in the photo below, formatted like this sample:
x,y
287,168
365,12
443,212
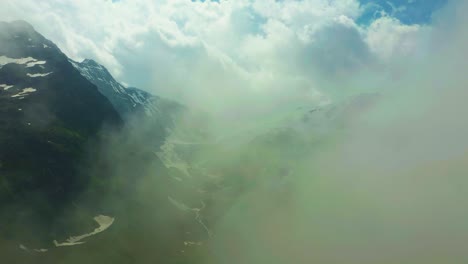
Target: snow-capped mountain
x,y
125,100
155,117
107,85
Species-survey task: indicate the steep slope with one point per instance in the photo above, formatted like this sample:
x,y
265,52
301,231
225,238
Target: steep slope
x,y
151,117
49,114
126,101
107,85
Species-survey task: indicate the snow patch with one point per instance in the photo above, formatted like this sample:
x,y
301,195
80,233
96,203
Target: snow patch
x,y
41,250
35,75
34,63
25,91
6,60
29,61
191,243
104,223
5,86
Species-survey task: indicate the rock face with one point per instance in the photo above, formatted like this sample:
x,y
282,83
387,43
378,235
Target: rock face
x,y
107,85
152,117
126,101
49,113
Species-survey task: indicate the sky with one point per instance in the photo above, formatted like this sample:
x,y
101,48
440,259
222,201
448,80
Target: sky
x,y
257,53
407,11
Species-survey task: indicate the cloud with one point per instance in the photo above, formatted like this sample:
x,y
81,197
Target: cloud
x,y
255,53
390,187
388,37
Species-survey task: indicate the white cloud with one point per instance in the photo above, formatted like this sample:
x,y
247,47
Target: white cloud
x,y
388,37
242,50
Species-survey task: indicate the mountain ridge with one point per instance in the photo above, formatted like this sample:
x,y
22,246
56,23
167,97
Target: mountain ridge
x,y
49,116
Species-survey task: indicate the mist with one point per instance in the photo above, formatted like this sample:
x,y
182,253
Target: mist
x,y
357,155
379,179
389,188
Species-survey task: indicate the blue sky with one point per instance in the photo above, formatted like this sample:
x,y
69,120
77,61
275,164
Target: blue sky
x,y
407,11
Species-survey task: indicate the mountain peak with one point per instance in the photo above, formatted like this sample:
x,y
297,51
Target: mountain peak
x,y
94,64
19,36
90,62
20,25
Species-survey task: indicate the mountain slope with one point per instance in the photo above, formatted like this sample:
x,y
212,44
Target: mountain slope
x,y
150,116
126,101
49,114
107,85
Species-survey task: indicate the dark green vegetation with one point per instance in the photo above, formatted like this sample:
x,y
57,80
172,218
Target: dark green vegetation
x,y
44,137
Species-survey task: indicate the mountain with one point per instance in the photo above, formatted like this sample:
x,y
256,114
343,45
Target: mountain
x,y
169,182
49,115
126,101
107,85
154,116
75,144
